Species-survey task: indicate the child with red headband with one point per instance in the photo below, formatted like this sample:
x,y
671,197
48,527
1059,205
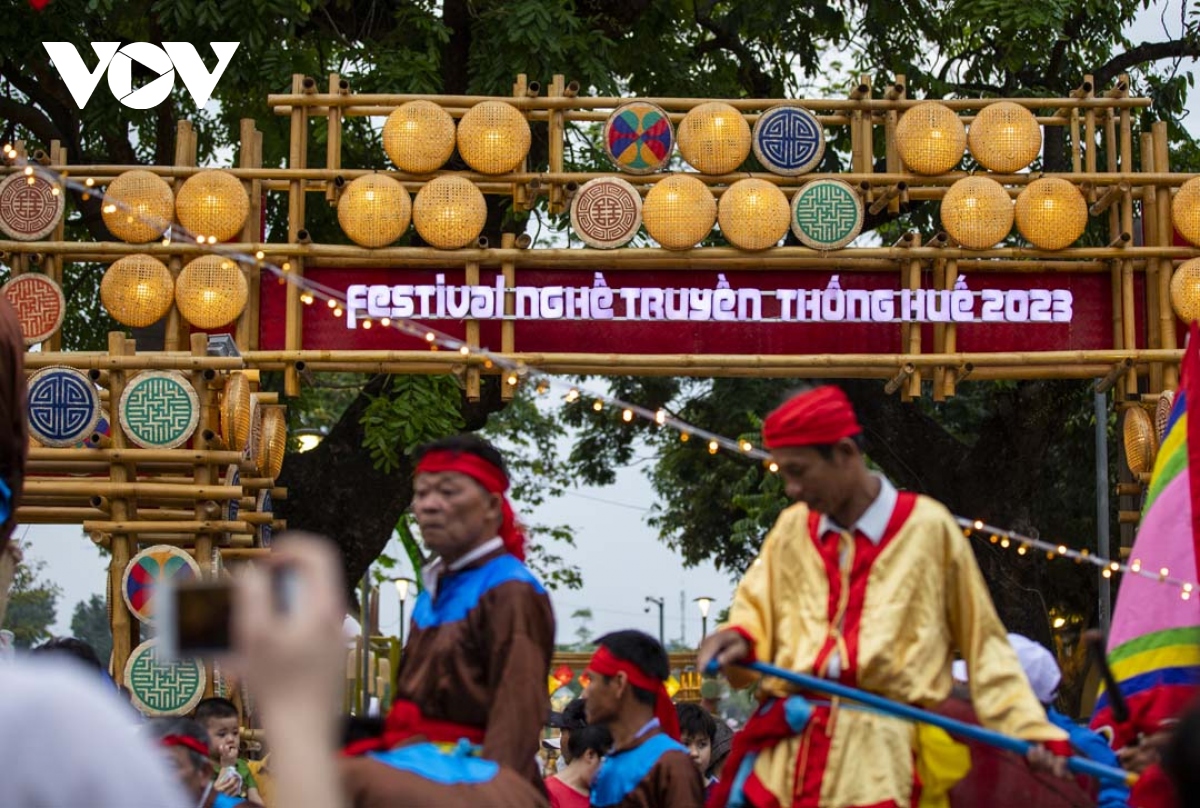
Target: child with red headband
x,y
185,743
473,674
871,587
648,766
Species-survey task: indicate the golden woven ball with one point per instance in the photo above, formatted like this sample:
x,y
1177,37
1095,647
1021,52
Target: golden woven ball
x,y
1005,137
679,211
374,210
213,203
1051,213
930,138
235,411
1185,291
449,212
419,137
493,137
138,206
977,212
137,290
273,443
1185,211
754,214
1141,444
714,138
1162,413
211,291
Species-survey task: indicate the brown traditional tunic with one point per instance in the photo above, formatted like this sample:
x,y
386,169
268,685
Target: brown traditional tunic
x,y
371,783
655,772
479,655
14,439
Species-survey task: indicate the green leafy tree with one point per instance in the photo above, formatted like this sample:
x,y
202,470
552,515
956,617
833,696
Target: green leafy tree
x,y
32,605
583,632
90,624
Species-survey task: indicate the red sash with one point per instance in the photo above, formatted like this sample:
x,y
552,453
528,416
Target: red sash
x,y
404,722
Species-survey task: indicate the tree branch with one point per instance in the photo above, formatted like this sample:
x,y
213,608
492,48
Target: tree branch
x,y
31,118
1147,52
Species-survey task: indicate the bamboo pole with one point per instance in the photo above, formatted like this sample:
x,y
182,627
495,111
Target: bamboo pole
x,y
197,526
247,321
913,343
556,140
473,381
52,265
1167,327
125,631
149,361
508,327
140,456
949,379
1150,237
1129,312
1076,152
243,553
297,158
124,489
333,138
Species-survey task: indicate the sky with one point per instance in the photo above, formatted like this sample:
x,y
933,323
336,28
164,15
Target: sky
x,y
622,560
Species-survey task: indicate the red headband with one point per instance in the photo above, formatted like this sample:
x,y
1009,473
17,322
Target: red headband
x,y
183,740
819,416
493,481
604,663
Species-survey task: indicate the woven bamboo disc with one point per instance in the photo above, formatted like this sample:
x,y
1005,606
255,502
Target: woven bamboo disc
x,y
213,203
147,571
754,214
788,140
1185,291
493,137
606,212
159,409
1141,442
1005,137
374,210
638,137
1185,211
137,290
679,211
64,406
1162,413
211,291
138,206
977,212
161,687
255,434
30,207
274,441
714,138
1051,213
39,304
826,214
449,212
930,138
230,508
419,137
235,411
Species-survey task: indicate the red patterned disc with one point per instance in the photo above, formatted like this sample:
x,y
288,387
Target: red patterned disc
x,y
606,212
39,304
29,210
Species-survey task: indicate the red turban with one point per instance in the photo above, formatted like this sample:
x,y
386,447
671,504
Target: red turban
x,y
494,482
819,416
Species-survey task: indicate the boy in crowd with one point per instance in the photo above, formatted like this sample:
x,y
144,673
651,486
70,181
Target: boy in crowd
x,y
584,748
185,744
647,766
219,718
698,732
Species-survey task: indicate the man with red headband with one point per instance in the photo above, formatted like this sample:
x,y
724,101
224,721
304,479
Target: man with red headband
x,y
472,680
626,692
873,588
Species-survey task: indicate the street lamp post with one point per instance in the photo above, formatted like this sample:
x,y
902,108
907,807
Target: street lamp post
x,y
402,585
660,603
704,604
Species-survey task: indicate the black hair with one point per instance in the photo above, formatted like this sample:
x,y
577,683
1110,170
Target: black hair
x,y
467,442
592,737
694,720
1181,757
214,707
825,450
70,647
574,715
160,728
645,652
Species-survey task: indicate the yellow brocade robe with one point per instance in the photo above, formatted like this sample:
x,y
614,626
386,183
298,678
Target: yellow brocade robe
x,y
924,598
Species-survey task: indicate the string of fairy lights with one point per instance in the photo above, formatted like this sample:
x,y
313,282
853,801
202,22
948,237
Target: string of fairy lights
x,y
515,371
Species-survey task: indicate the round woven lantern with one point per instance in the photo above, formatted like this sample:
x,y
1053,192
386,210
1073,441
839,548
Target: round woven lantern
x,y
274,442
1185,210
1141,444
235,411
930,138
1185,291
137,290
419,137
214,204
977,212
138,206
1051,213
826,214
714,138
679,212
374,210
211,291
788,140
493,137
1162,413
606,212
754,214
1005,137
638,137
449,212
